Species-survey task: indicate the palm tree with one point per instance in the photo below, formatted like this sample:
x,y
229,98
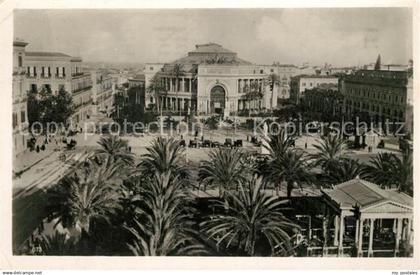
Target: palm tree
x,y
404,167
387,170
290,168
115,149
278,144
253,217
347,169
163,156
329,152
225,168
163,226
88,195
156,88
381,170
58,244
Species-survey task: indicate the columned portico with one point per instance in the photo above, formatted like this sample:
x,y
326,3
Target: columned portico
x,y
191,83
369,208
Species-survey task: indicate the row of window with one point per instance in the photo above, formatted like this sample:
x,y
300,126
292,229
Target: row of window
x,y
374,108
244,84
375,94
46,71
34,87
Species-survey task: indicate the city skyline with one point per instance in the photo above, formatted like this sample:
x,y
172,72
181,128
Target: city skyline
x,y
262,36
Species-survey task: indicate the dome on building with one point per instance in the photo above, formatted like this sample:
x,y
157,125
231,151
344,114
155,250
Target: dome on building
x,y
210,53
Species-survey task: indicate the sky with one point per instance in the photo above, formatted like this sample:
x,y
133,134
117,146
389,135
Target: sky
x,y
337,36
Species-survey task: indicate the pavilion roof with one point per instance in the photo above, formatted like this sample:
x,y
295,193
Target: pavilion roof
x,y
365,194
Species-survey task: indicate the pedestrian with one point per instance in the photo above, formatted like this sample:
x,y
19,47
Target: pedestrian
x,y
306,145
43,147
37,148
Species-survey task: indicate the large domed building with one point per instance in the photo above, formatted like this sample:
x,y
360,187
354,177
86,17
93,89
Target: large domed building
x,y
212,80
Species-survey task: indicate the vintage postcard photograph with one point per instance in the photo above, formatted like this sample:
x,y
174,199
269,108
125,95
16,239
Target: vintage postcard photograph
x,y
240,132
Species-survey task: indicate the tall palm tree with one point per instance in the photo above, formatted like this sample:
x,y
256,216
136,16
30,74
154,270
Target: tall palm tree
x,y
225,168
404,167
163,226
329,152
290,168
387,170
347,169
381,170
278,144
88,195
156,88
252,217
114,148
163,156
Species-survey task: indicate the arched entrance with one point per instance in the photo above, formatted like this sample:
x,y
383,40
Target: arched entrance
x,y
217,100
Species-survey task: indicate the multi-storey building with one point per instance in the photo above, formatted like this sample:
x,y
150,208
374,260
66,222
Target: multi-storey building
x,y
55,71
300,83
324,102
20,114
137,80
380,95
284,72
212,80
102,92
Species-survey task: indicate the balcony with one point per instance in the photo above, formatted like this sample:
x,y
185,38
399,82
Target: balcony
x,y
46,76
79,75
31,76
60,76
80,90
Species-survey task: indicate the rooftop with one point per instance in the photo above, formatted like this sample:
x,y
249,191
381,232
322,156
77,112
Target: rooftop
x,y
380,77
314,76
47,54
210,53
365,194
210,48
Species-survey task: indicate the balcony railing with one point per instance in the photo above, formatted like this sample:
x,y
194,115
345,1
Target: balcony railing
x,y
79,90
31,76
60,76
46,75
79,75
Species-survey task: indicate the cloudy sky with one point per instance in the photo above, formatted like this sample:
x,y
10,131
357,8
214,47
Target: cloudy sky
x,y
336,36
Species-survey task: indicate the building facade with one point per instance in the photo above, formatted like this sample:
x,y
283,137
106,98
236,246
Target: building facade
x,y
56,71
212,80
380,95
302,82
19,97
102,92
323,102
285,72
